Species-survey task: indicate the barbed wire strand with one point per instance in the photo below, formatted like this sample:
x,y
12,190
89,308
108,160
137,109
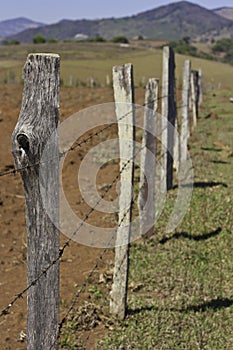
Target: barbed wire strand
x,y
18,296
87,139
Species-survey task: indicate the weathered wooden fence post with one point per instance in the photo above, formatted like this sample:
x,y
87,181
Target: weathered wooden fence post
x,y
124,98
176,149
71,80
37,126
108,81
185,132
194,96
148,160
169,115
200,84
91,82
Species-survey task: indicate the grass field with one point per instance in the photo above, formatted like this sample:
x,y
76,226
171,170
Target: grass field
x,y
181,284
80,61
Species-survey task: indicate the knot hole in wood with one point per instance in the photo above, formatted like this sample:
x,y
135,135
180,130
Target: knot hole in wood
x,y
23,142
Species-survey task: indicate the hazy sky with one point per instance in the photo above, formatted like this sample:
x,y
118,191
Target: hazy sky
x,y
51,11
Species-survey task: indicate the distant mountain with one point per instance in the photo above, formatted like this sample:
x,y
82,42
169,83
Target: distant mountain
x,y
173,21
226,12
16,25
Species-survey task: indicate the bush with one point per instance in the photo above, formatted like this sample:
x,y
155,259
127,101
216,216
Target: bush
x,y
223,45
183,47
39,39
120,39
11,42
97,39
52,40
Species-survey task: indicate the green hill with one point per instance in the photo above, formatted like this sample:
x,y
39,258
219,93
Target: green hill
x,y
173,21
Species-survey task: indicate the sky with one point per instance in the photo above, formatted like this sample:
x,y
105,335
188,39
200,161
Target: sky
x,y
52,11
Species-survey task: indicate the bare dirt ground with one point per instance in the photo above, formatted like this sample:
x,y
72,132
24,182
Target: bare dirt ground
x,y
77,260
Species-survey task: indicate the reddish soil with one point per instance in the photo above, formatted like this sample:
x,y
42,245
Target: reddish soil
x,y
78,260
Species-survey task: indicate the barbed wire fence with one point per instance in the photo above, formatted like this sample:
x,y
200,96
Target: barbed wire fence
x,y
90,137
6,311
66,244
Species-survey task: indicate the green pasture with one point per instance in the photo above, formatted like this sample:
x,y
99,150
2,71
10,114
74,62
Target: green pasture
x,y
80,61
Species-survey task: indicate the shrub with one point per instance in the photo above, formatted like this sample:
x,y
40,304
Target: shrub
x,y
97,39
223,45
183,47
39,39
11,42
52,40
120,39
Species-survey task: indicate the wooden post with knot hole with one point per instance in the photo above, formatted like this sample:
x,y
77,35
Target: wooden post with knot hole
x,y
36,153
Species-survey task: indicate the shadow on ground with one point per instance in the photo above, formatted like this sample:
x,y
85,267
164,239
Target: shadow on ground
x,y
203,184
214,304
197,238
